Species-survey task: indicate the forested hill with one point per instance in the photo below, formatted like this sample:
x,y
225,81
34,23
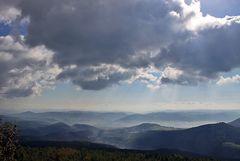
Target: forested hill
x,y
85,154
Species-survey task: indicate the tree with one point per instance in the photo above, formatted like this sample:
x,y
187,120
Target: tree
x,y
8,141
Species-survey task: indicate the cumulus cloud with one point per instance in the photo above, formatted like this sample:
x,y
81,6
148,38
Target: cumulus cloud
x,y
228,80
212,51
24,71
175,76
8,14
101,43
105,31
8,11
128,34
172,73
95,77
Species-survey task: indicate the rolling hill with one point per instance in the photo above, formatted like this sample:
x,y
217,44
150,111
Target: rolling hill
x,y
60,132
72,117
182,116
83,132
235,123
206,140
218,140
179,119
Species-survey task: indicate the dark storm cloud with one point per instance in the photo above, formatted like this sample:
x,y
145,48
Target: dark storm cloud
x,y
96,77
181,80
212,51
99,43
104,31
86,33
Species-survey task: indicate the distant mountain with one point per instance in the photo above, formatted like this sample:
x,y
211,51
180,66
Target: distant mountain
x,y
72,117
56,128
121,136
182,119
207,140
82,127
146,127
187,116
61,132
82,132
155,117
22,123
220,140
235,123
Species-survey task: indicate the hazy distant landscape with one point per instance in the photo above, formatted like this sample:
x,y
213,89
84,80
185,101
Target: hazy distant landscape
x,y
177,119
197,134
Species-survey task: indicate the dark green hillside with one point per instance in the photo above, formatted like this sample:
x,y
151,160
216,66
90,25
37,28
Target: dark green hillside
x,y
235,123
207,140
69,154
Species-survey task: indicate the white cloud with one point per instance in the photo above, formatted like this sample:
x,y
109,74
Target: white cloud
x,y
9,14
172,73
25,71
194,20
228,80
95,77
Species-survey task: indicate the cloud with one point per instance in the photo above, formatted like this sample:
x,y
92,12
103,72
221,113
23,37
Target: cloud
x,y
8,14
172,73
24,71
228,80
97,44
96,32
211,51
175,76
95,77
8,11
99,33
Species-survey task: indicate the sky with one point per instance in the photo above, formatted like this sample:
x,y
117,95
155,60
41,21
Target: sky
x,y
104,55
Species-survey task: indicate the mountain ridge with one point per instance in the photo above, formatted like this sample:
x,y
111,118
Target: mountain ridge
x,y
235,123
